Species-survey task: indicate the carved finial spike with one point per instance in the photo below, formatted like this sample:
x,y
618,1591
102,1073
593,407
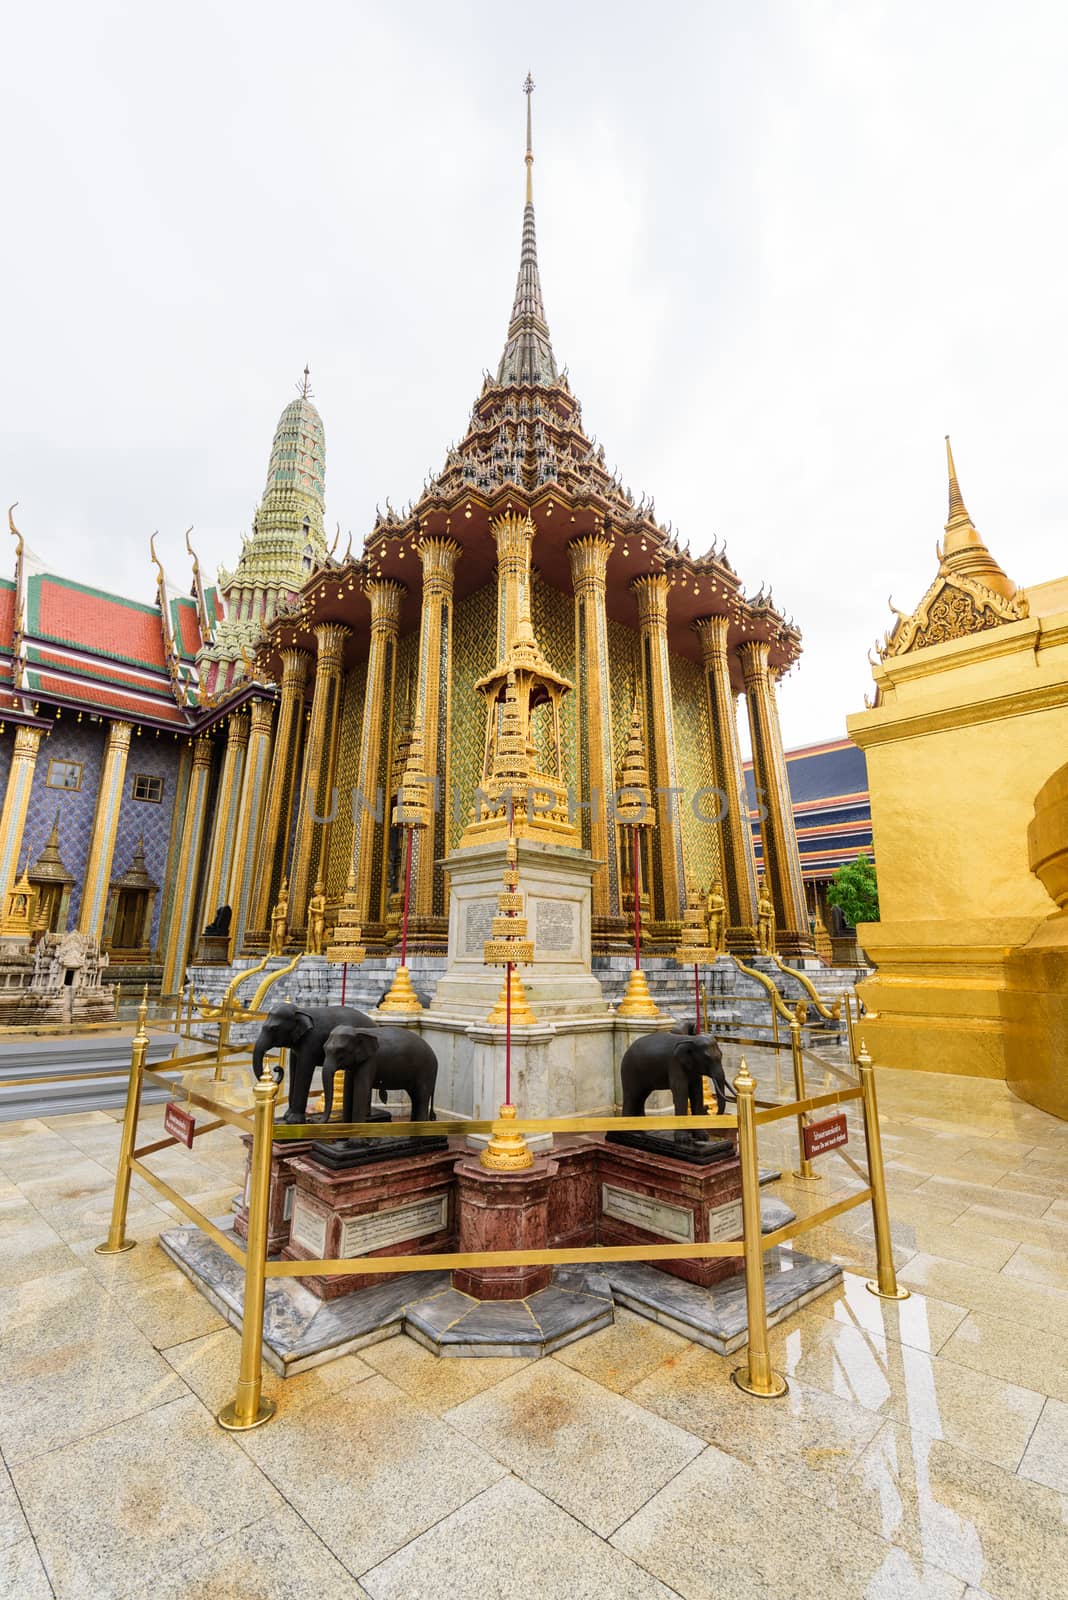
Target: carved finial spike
x,y
957,509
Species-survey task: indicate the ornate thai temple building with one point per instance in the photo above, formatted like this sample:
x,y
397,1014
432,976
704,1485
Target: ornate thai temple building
x,y
224,744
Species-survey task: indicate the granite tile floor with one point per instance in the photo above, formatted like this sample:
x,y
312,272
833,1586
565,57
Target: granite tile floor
x,y
922,1449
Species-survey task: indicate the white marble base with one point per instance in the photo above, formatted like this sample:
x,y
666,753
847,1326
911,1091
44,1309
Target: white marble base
x,y
556,884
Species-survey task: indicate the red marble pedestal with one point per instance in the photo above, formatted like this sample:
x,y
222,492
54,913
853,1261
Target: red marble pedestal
x,y
281,1200
503,1211
647,1199
401,1207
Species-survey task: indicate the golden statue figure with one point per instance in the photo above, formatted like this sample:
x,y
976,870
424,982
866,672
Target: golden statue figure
x,y
716,916
280,921
316,922
765,921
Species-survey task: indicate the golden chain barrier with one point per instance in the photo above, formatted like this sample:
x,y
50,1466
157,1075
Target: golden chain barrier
x,y
250,1408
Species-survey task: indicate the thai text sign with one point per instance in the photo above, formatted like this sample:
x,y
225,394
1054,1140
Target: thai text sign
x,y
826,1135
179,1124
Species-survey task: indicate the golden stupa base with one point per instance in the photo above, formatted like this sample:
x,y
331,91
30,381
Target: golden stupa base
x,y
507,1151
522,1016
402,999
637,1001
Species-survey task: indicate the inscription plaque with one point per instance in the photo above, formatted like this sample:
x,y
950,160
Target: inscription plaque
x,y
308,1229
377,1229
554,926
725,1222
641,1211
478,924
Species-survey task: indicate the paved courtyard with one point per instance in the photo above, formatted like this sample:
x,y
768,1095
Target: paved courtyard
x,y
922,1449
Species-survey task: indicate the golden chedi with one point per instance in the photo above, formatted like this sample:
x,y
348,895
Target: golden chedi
x,y
968,724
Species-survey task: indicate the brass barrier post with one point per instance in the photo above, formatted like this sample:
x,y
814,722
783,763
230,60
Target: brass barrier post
x,y
249,1409
804,1169
757,1377
886,1286
848,1003
774,1023
116,1241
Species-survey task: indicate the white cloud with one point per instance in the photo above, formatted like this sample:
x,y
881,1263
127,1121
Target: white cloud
x,y
784,249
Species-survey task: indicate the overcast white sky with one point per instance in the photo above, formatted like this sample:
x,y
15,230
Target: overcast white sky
x,y
784,248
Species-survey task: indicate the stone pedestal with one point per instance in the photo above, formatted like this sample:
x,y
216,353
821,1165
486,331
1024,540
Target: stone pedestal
x,y
213,950
402,1207
280,1203
646,1198
503,1211
556,883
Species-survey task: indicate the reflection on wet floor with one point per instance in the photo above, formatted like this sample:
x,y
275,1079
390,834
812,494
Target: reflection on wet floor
x,y
922,1448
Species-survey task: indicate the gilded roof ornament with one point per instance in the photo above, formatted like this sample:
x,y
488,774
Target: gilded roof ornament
x,y
970,593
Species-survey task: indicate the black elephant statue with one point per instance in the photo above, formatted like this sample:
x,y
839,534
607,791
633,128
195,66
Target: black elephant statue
x,y
305,1030
389,1058
677,1062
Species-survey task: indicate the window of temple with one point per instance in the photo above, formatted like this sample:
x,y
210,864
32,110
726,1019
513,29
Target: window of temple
x,y
147,787
64,775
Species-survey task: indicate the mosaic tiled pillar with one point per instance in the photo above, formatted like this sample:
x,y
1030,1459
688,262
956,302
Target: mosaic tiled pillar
x,y
249,815
279,808
432,715
385,596
782,862
176,950
513,535
668,871
735,835
224,828
105,826
16,801
316,797
589,567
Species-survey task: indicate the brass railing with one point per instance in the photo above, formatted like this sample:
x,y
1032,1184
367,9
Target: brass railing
x,y
249,1408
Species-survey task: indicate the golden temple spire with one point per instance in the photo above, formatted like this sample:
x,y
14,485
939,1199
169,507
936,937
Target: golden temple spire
x,y
963,550
957,510
528,90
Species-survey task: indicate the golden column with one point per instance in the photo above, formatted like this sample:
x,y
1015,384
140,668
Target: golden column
x,y
274,840
385,596
249,815
176,950
432,716
514,535
589,567
224,828
16,801
105,825
668,874
735,834
782,863
320,763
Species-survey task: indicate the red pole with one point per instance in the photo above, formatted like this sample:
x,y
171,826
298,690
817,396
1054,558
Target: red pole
x,y
344,980
407,895
508,1033
697,996
637,905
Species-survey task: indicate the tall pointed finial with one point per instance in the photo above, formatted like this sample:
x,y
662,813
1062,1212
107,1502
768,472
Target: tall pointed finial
x,y
957,509
305,388
528,90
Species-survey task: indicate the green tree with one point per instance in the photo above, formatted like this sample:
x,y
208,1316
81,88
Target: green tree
x,y
855,892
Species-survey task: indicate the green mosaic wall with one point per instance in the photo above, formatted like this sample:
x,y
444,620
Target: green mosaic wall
x,y
474,639
693,753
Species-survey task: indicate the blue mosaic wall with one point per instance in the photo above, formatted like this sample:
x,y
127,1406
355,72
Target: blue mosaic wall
x,y
159,759
71,740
